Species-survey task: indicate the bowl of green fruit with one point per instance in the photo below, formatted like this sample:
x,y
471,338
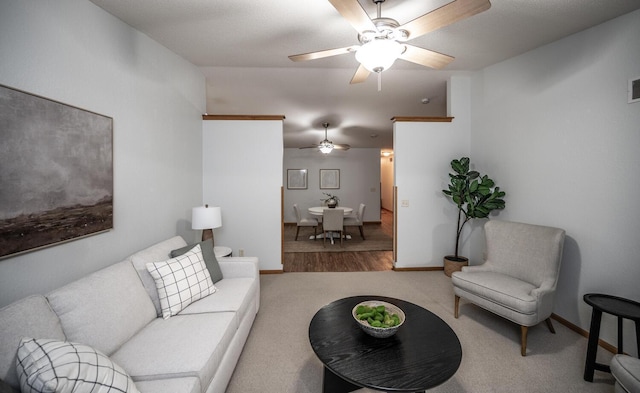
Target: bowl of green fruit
x,y
377,318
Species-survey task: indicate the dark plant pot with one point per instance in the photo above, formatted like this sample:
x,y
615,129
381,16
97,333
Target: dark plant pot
x,y
453,264
332,203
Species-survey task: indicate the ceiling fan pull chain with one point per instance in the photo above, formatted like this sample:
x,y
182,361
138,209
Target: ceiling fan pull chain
x,y
379,81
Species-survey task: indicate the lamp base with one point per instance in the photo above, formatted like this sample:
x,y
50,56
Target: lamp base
x,y
207,234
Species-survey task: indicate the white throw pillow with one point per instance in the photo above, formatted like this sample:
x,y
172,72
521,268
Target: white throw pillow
x,y
181,281
49,366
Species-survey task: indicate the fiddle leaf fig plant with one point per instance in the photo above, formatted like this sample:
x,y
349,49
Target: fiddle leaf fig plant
x,y
474,194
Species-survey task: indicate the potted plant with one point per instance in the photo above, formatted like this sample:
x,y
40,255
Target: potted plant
x,y
331,200
476,196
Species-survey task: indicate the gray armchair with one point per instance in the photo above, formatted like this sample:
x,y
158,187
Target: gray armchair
x,y
626,371
518,279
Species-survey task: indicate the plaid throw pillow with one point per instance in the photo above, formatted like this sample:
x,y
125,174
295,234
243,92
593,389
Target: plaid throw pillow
x,y
181,281
45,365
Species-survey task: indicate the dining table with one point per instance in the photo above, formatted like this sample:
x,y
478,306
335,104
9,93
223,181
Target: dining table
x,y
319,210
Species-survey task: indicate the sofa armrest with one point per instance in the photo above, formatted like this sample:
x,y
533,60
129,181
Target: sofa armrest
x,y
235,267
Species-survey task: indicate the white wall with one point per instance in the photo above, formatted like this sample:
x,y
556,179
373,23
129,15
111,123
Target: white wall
x,y
74,52
242,173
554,128
359,180
422,153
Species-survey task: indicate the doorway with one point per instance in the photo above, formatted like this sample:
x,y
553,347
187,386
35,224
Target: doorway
x,y
341,261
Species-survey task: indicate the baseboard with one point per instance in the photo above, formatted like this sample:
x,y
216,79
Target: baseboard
x,y
417,269
271,271
584,333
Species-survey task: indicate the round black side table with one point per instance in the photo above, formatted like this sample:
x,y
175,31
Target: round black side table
x,y
621,308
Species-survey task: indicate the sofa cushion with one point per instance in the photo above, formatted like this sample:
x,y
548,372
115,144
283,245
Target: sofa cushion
x,y
182,346
171,385
46,365
105,308
209,258
31,316
181,281
233,294
155,253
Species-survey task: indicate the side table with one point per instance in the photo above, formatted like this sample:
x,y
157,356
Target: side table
x,y
621,308
222,251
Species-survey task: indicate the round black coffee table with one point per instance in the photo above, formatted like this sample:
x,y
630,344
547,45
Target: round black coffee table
x,y
424,353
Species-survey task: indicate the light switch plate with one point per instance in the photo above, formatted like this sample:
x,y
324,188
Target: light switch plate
x,y
634,90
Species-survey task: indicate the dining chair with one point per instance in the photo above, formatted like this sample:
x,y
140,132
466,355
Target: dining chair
x,y
304,222
332,221
357,221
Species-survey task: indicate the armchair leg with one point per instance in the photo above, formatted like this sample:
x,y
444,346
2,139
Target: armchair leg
x,y
456,306
550,326
523,349
297,231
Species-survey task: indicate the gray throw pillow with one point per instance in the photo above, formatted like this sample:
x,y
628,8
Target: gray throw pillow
x,y
208,255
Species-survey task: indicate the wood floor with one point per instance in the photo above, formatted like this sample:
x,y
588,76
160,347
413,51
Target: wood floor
x,y
344,261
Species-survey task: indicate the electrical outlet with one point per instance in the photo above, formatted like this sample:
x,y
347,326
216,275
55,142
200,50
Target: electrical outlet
x,y
405,203
241,252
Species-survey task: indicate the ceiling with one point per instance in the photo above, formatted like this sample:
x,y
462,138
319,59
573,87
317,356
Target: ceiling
x,y
242,47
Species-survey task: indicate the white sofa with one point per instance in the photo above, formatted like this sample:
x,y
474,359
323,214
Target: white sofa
x,y
116,311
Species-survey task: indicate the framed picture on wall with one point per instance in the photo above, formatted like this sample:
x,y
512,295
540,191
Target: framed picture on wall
x,y
296,179
56,172
329,179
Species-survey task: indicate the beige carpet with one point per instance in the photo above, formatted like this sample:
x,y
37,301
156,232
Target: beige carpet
x,y
278,358
376,240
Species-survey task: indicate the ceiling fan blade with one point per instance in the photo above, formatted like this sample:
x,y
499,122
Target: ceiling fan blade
x,y
360,75
341,147
324,53
425,57
353,12
444,16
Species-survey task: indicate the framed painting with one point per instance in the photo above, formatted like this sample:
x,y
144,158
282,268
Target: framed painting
x,y
56,172
329,179
296,179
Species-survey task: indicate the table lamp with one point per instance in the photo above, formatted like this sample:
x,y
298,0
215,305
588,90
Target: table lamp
x,y
206,218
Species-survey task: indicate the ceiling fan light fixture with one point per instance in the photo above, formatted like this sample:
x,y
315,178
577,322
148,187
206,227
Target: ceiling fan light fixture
x,y
325,147
379,55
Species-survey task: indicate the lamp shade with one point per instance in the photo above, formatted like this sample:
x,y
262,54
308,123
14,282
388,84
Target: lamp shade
x,y
205,217
379,54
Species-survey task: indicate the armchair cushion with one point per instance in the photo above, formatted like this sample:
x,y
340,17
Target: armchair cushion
x,y
626,370
505,290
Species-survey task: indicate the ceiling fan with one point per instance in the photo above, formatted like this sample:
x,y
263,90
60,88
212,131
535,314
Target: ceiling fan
x,y
326,146
383,39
